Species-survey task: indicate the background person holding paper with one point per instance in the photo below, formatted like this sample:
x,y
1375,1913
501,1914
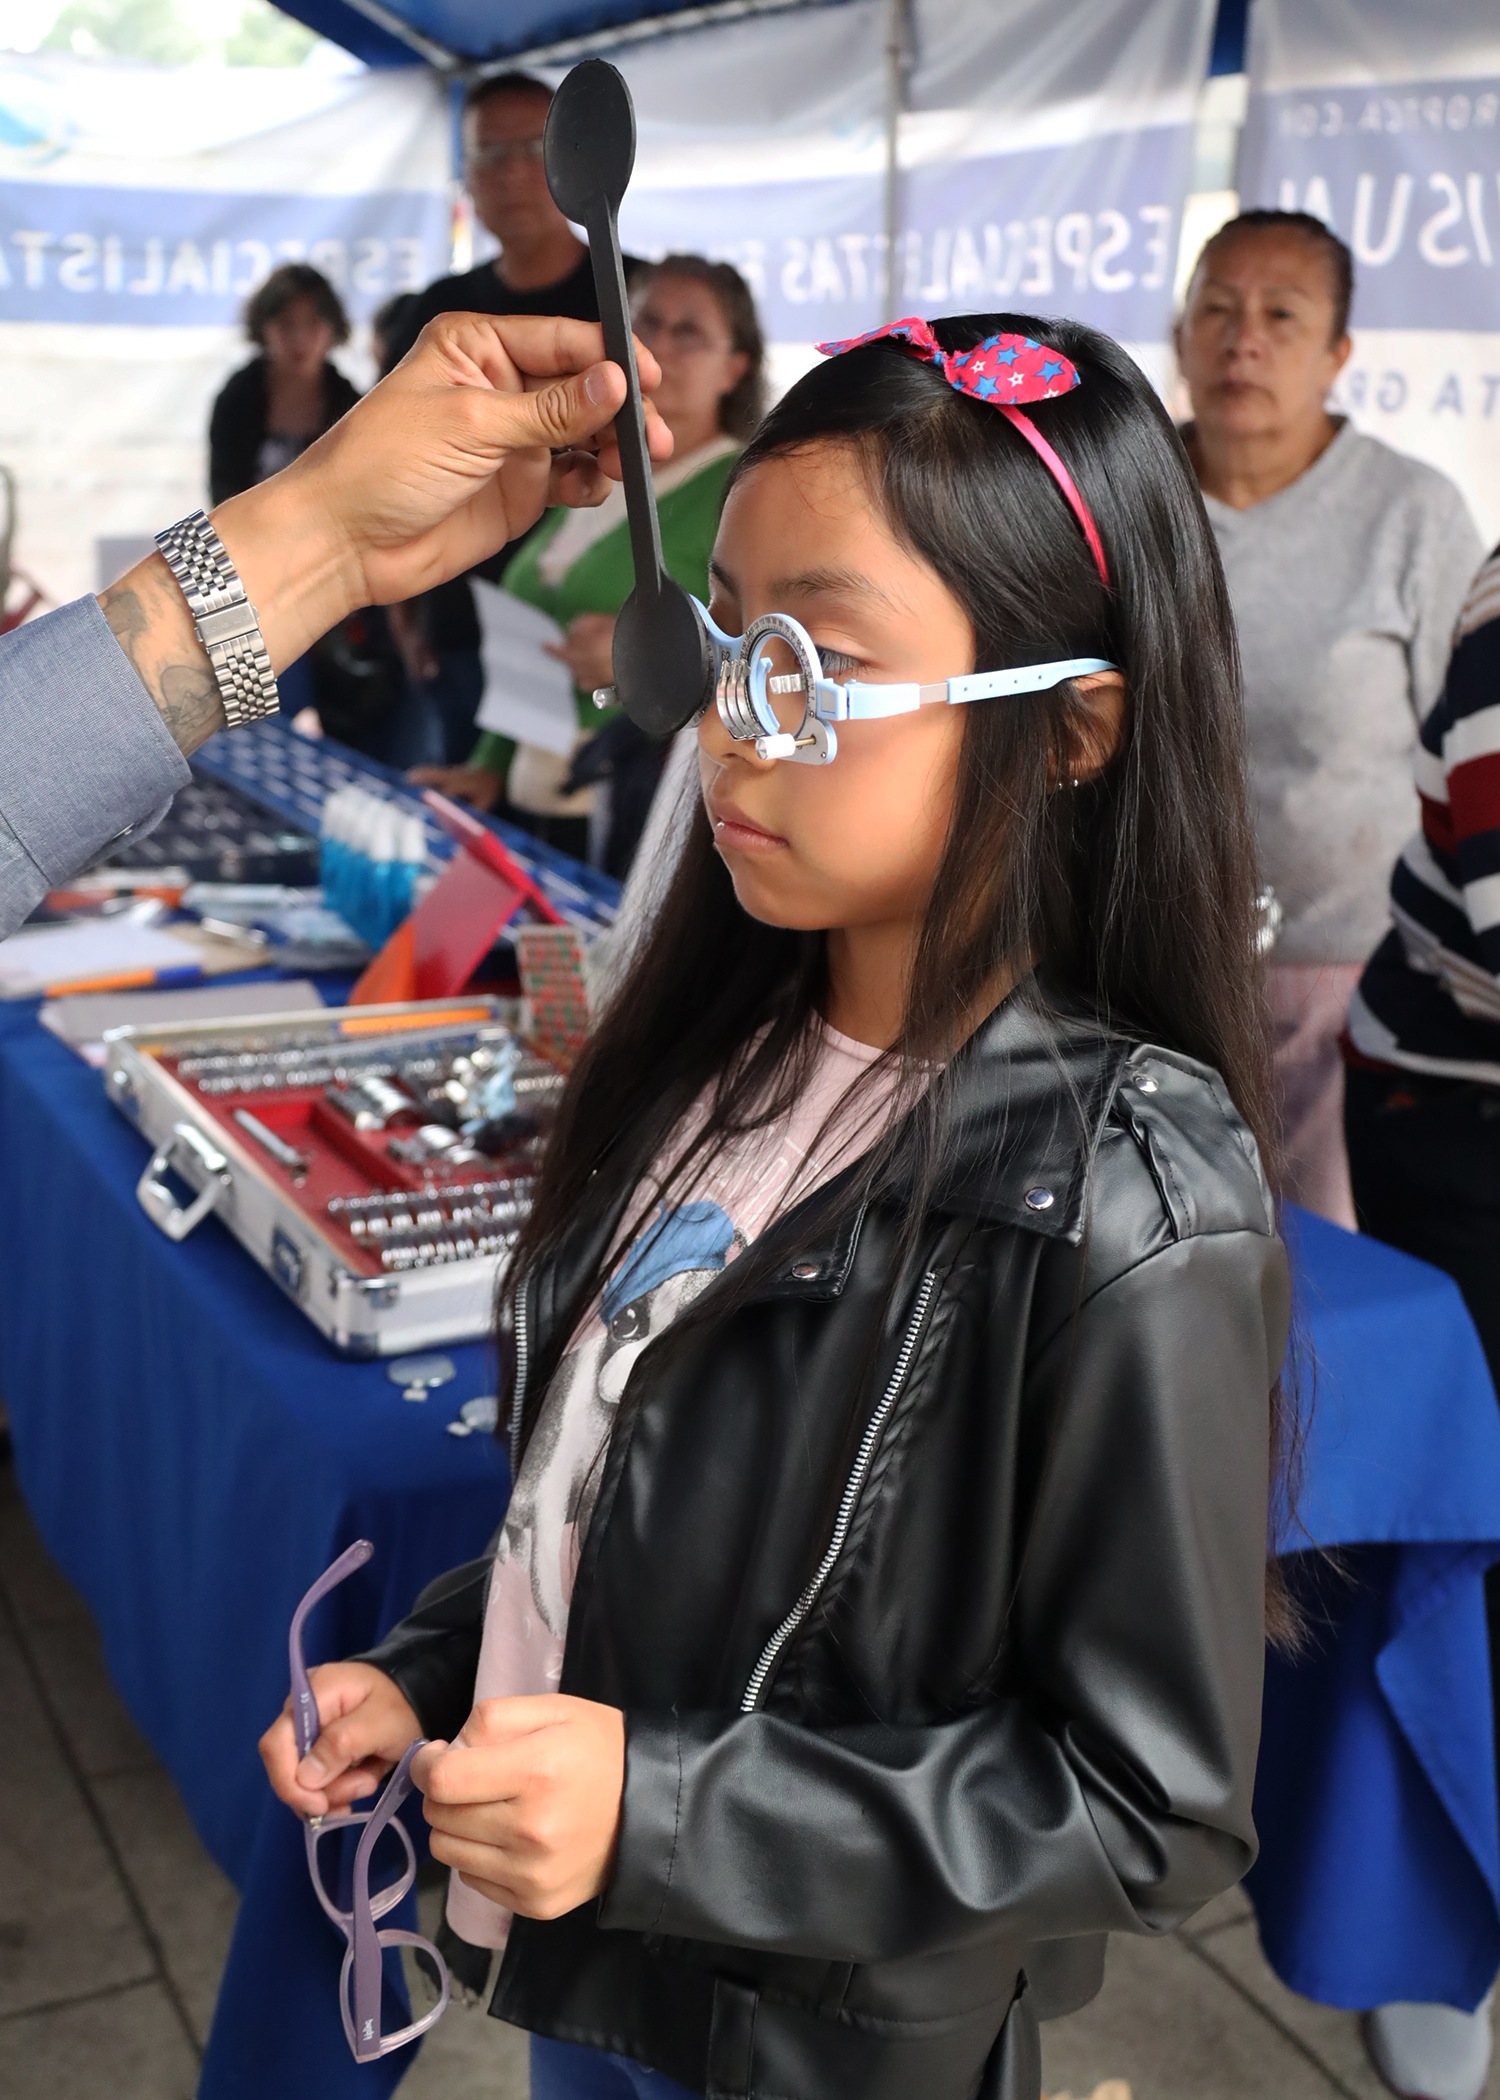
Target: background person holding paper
x,y
581,779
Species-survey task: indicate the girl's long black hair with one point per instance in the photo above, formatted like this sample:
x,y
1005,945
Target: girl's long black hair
x,y
1135,894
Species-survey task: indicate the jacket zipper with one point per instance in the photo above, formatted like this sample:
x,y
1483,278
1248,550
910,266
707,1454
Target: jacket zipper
x,y
853,1486
518,1397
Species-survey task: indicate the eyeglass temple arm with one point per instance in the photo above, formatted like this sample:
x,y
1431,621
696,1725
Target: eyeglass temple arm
x,y
304,1706
365,1934
872,702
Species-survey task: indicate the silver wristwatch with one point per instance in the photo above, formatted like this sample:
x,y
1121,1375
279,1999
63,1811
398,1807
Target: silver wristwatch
x,y
227,623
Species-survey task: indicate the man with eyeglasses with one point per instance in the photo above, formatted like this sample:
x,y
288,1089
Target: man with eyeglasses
x,y
542,268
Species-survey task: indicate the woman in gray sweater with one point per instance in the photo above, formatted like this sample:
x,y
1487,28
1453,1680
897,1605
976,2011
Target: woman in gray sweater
x,y
1347,565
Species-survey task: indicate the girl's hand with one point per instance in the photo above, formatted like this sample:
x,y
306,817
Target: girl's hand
x,y
366,1725
588,650
526,1804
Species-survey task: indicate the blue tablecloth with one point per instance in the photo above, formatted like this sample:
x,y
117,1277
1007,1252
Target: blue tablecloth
x,y
1379,1874
193,1453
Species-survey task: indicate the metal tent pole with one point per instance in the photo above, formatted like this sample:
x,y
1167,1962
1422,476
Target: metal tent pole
x,y
645,32
426,48
897,65
570,48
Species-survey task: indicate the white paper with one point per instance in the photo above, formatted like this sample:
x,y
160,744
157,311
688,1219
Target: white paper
x,y
527,694
39,956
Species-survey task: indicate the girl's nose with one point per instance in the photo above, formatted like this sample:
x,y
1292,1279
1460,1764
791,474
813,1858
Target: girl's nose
x,y
715,742
713,738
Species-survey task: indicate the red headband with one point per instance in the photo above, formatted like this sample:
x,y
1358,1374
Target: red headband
x,y
1002,370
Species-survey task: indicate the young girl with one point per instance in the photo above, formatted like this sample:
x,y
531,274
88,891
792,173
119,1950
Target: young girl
x,y
892,1350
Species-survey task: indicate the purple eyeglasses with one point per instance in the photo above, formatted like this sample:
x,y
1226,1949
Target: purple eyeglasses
x,y
360,1979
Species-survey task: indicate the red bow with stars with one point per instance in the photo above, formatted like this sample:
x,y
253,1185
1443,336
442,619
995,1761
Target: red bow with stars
x,y
1004,371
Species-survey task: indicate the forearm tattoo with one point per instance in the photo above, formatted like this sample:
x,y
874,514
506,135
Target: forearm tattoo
x,y
150,620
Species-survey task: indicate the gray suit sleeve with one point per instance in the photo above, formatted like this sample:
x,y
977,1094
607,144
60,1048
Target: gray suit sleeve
x,y
85,757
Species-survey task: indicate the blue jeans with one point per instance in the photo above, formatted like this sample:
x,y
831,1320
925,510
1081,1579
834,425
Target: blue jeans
x,y
564,2071
434,720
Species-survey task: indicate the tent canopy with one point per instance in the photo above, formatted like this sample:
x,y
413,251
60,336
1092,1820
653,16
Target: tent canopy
x,y
459,34
464,33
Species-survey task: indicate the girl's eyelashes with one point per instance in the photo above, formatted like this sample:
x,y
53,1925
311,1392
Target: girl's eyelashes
x,y
837,663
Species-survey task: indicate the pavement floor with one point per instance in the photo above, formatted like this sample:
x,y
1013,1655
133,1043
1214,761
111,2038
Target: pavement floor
x,y
114,1924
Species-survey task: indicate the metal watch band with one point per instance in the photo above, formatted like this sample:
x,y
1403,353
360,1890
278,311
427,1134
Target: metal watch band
x,y
227,623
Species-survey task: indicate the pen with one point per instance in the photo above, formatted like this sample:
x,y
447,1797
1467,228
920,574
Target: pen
x,y
126,981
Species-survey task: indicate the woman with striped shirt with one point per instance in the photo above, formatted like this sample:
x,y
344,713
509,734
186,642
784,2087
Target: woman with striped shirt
x,y
1422,1122
1422,1094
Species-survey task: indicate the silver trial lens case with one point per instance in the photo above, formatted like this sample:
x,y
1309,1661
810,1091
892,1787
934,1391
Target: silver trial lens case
x,y
343,1151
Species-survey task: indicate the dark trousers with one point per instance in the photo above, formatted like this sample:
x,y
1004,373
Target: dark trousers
x,y
568,835
433,724
1424,1158
1424,1161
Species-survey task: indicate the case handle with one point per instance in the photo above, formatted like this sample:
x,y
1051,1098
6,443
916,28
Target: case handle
x,y
184,1148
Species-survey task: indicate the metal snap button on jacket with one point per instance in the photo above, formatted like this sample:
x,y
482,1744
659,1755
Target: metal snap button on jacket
x,y
1147,1085
805,1271
1039,1199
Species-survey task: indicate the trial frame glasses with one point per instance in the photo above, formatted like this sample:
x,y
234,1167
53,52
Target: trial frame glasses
x,y
748,688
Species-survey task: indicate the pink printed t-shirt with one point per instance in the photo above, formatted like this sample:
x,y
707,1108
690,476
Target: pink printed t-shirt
x,y
677,1254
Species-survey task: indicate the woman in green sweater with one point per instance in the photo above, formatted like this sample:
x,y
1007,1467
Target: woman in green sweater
x,y
699,320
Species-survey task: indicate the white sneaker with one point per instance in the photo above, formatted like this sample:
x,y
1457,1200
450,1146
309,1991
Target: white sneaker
x,y
1431,2052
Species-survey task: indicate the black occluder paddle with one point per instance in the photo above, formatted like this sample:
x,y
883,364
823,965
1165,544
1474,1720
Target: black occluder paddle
x,y
663,660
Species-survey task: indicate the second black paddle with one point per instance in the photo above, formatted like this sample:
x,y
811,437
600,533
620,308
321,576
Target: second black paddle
x,y
663,660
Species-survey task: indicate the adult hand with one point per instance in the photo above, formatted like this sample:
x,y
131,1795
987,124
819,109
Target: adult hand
x,y
484,422
587,650
473,784
525,1806
365,1726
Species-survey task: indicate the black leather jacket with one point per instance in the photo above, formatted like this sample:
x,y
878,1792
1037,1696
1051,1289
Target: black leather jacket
x,y
931,1684
237,426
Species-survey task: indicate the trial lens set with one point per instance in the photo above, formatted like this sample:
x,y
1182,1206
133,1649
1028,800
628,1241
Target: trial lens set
x,y
378,1161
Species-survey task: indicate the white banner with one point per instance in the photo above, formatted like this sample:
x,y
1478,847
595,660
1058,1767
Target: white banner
x,y
138,207
1045,155
1383,119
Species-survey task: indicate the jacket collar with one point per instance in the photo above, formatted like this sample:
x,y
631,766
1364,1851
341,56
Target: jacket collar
x,y
1026,1097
